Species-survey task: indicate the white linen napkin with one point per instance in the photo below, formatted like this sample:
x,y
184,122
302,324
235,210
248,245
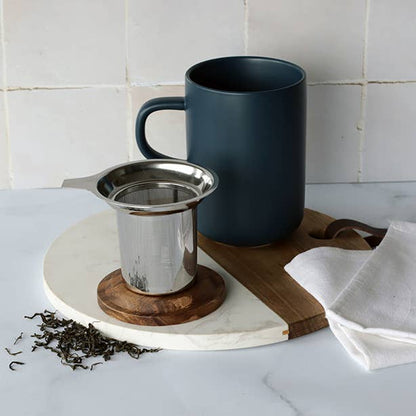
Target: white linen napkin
x,y
369,296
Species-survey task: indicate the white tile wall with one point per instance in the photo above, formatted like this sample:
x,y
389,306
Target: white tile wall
x,y
1,48
333,139
58,134
326,37
390,146
4,151
165,130
392,40
77,72
60,42
165,38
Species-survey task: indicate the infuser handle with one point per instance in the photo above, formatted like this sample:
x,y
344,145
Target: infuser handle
x,y
149,107
88,183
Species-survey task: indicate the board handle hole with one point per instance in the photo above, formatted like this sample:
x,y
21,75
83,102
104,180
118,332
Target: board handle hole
x,y
318,235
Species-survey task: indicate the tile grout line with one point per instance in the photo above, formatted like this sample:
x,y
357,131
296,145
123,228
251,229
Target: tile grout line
x,y
155,84
129,112
362,81
130,138
5,98
64,87
366,24
361,128
245,26
126,42
362,183
387,81
363,110
130,84
342,82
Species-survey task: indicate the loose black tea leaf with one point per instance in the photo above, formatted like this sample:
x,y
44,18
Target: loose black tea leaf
x,y
18,338
13,363
74,366
73,342
93,365
12,353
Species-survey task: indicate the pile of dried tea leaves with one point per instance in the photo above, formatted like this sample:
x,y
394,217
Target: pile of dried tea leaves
x,y
74,343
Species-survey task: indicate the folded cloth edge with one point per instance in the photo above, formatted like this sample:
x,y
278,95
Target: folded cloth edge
x,y
391,334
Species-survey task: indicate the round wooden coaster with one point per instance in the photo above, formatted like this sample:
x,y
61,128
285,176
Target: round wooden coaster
x,y
203,297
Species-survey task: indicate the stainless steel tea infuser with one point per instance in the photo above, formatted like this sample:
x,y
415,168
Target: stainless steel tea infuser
x,y
156,203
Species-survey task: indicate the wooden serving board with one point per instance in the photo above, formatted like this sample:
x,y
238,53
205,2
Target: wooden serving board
x,y
77,261
263,305
261,270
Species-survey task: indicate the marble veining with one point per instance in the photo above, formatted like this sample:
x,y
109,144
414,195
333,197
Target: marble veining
x,y
269,384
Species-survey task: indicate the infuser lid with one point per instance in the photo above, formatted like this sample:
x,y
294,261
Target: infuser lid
x,y
153,186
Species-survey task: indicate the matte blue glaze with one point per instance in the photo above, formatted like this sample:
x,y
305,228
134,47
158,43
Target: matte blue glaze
x,y
245,119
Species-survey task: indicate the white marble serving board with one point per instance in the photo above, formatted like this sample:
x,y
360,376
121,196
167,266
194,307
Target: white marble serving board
x,y
88,251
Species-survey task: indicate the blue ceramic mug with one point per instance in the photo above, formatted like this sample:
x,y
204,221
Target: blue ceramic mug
x,y
245,119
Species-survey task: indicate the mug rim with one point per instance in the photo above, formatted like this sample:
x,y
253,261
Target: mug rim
x,y
245,57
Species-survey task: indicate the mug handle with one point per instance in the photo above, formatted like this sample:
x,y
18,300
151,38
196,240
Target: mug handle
x,y
156,104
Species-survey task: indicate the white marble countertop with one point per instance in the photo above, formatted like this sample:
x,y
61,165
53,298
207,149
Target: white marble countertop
x,y
311,375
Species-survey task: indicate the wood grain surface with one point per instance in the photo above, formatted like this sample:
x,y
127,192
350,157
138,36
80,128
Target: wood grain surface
x,y
205,295
260,269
